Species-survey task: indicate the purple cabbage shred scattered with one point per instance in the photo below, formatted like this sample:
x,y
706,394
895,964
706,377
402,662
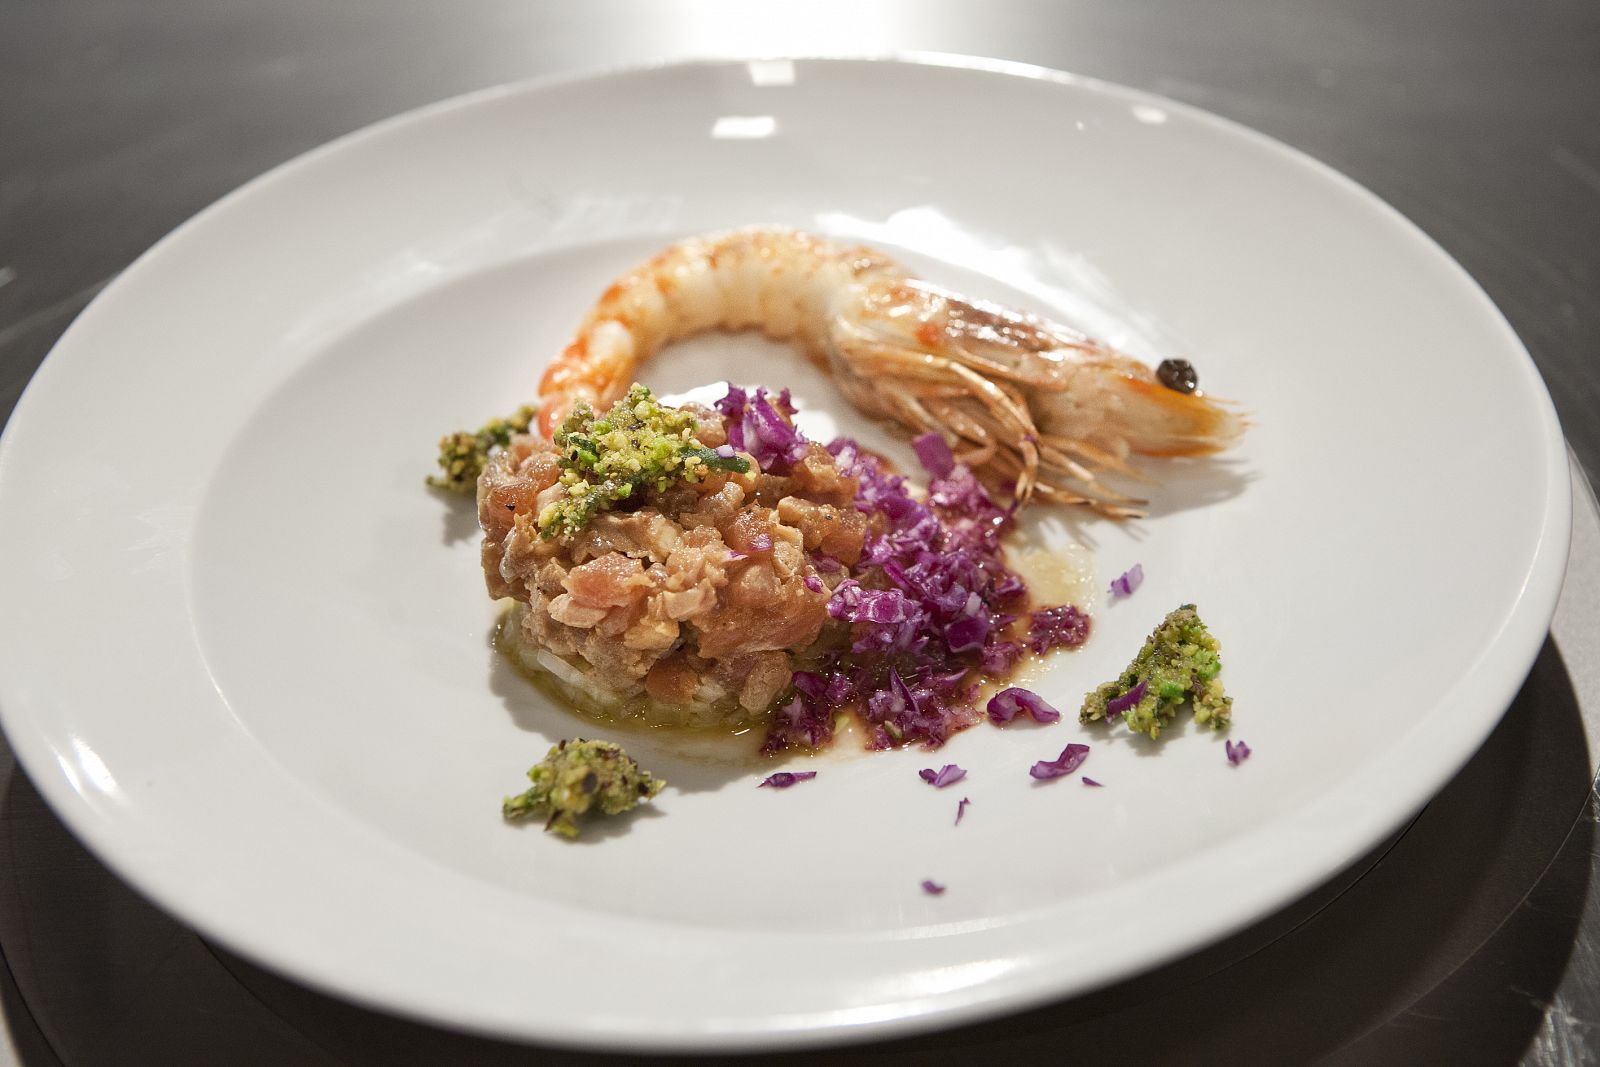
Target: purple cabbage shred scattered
x,y
1238,752
961,809
1125,583
949,774
1004,706
784,779
932,888
1071,759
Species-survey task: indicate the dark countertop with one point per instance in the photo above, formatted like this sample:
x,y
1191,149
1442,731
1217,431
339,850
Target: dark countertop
x,y
1472,937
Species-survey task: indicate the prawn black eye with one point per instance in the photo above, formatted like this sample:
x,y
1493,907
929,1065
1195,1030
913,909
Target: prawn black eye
x,y
1178,375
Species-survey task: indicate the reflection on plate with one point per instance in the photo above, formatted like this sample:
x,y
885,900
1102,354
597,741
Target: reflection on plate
x,y
248,656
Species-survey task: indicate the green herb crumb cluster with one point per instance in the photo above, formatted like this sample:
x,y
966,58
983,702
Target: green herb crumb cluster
x,y
638,445
1179,661
580,776
462,455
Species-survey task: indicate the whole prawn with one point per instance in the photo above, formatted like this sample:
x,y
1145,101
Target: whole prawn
x,y
1021,400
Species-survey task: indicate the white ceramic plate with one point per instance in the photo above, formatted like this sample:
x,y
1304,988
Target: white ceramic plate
x,y
247,654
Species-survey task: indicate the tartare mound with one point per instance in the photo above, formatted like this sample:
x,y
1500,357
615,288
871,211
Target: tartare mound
x,y
689,566
697,605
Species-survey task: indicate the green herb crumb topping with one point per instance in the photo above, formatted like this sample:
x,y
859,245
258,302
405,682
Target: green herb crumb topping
x,y
580,776
462,455
639,445
1179,661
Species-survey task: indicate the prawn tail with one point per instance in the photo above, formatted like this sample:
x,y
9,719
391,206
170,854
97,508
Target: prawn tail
x,y
779,281
596,368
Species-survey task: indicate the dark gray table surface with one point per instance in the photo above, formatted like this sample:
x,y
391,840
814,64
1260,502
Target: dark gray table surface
x,y
1473,937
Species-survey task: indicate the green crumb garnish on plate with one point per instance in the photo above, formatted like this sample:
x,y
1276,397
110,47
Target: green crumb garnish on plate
x,y
581,776
1180,661
637,446
462,455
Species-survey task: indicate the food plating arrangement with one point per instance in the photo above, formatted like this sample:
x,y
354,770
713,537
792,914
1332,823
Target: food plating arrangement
x,y
703,567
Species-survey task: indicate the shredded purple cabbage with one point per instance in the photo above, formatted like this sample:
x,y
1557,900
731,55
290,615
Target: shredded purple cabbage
x,y
1056,627
1090,781
1125,583
961,809
799,721
928,610
1117,705
814,583
1071,759
853,603
933,452
1009,586
1000,656
758,423
1237,752
784,779
967,633
932,888
949,774
1004,706
929,605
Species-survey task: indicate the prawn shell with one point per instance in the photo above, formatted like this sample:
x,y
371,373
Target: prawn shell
x,y
1037,403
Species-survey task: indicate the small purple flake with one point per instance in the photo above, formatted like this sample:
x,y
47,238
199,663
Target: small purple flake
x,y
761,543
932,888
933,452
1126,582
1071,759
1118,705
1090,781
814,583
1237,753
1003,706
961,809
784,779
949,774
